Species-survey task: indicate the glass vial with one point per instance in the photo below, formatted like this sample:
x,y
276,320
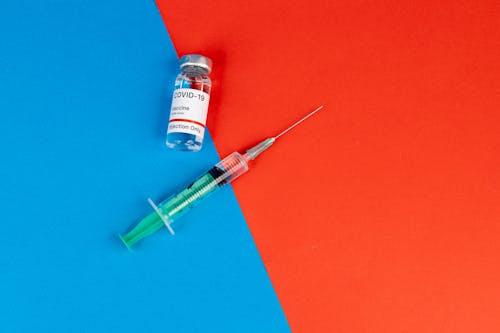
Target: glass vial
x,y
188,114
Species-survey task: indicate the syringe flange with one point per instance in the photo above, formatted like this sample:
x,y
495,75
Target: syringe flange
x,y
165,221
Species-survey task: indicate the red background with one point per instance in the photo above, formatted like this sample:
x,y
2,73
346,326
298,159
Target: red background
x,y
381,213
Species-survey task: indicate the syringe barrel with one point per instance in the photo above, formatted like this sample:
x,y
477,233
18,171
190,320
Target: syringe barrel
x,y
222,173
169,210
233,166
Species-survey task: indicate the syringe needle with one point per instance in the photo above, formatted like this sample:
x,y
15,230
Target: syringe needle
x,y
258,149
298,122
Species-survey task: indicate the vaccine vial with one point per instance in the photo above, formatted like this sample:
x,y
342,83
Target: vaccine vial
x,y
188,113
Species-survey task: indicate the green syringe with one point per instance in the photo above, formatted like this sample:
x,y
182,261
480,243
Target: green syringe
x,y
224,172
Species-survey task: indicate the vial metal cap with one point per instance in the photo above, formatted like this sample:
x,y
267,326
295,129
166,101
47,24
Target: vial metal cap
x,y
196,60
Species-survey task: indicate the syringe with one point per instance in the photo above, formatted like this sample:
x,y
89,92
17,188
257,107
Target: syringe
x,y
224,172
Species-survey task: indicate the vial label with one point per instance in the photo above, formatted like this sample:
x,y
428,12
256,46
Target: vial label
x,y
189,111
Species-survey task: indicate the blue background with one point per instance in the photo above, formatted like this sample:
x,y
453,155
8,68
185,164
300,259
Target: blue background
x,y
85,89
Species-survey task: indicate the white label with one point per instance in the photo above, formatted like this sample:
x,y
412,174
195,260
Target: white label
x,y
189,111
